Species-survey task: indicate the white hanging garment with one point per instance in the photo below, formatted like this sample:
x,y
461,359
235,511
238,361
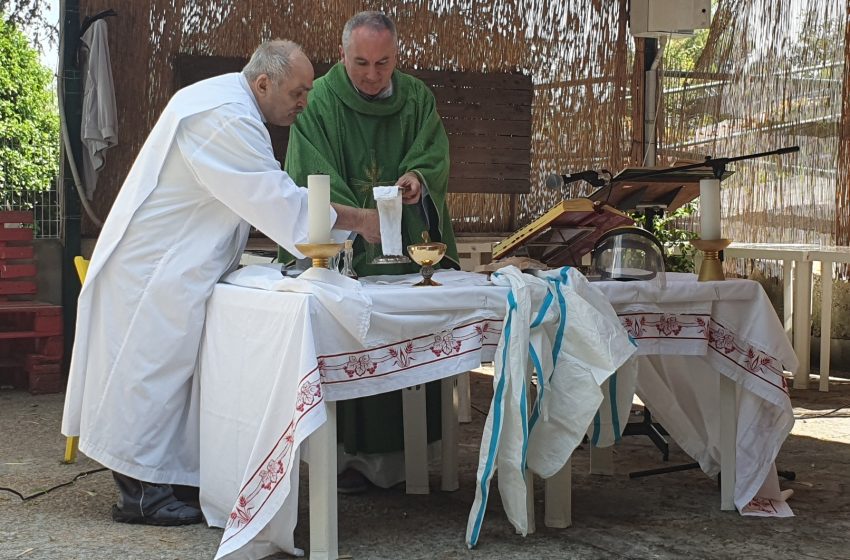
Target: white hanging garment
x,y
99,127
573,343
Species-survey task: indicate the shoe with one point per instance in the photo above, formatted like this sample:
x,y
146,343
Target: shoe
x,y
150,503
170,515
189,495
351,481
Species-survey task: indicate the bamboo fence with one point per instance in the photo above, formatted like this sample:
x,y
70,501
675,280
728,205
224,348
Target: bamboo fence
x,y
753,89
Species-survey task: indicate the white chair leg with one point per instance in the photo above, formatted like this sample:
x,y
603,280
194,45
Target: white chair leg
x,y
602,460
448,394
559,499
415,440
825,322
464,392
324,537
728,442
529,501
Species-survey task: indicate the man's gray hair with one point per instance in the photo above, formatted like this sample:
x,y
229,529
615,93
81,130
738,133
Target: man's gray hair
x,y
273,58
376,21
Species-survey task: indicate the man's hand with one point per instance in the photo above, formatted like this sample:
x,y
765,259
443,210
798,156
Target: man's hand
x,y
411,188
363,221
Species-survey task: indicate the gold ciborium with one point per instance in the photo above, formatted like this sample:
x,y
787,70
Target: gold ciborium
x,y
319,252
426,255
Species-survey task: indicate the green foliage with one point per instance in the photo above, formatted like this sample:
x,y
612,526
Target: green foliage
x,y
29,121
677,242
31,16
683,53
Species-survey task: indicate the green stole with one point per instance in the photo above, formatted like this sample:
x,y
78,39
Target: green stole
x,y
363,144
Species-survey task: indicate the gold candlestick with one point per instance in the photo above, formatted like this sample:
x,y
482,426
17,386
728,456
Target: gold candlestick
x,y
711,267
320,253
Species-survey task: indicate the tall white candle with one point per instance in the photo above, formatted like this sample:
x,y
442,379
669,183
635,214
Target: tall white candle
x,y
709,208
319,208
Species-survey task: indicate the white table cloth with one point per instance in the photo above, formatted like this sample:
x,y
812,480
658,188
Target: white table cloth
x,y
264,352
686,334
262,357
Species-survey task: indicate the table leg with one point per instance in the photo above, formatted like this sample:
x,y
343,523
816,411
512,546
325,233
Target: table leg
x,y
728,442
602,460
448,393
825,322
558,498
529,502
464,391
788,298
321,446
802,321
415,440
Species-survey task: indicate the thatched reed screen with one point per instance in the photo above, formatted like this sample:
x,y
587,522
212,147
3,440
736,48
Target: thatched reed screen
x,y
772,74
577,52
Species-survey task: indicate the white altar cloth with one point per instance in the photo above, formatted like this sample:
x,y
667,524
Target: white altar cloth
x,y
700,329
260,400
261,396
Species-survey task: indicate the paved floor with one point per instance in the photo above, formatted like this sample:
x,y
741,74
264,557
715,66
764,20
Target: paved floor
x,y
671,516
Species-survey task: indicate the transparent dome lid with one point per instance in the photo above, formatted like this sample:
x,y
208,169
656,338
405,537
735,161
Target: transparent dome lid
x,y
628,253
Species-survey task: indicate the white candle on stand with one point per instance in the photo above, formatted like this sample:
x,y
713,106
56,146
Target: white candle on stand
x,y
319,208
709,208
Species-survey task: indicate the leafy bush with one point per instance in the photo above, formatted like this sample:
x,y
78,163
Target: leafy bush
x,y
29,121
677,241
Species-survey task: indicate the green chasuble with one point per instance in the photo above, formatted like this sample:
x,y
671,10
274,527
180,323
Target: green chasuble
x,y
363,144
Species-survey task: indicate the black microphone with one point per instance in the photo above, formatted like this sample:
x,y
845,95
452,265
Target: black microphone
x,y
556,181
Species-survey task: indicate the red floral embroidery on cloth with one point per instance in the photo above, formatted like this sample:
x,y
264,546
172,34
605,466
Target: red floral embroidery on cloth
x,y
275,467
403,354
308,395
760,505
746,357
655,325
720,339
264,481
485,330
384,360
360,366
445,343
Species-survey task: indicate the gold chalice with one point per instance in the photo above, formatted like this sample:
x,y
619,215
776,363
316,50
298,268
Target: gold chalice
x,y
319,253
426,255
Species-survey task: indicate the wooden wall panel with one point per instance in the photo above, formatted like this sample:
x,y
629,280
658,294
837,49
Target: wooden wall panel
x,y
487,118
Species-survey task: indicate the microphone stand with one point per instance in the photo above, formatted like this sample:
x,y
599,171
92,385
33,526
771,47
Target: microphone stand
x,y
711,267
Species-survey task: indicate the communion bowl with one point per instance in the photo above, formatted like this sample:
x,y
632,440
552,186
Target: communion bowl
x,y
427,254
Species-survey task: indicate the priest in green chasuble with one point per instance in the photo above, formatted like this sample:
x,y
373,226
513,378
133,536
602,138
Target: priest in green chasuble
x,y
369,125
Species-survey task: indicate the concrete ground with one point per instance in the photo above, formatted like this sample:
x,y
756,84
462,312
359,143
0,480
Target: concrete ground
x,y
670,516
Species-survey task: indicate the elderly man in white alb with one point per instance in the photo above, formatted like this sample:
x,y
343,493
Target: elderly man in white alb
x,y
180,222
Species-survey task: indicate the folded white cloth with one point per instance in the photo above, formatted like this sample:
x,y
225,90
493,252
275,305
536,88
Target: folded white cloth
x,y
388,201
341,296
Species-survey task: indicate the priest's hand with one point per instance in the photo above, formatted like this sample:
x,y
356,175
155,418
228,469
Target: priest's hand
x,y
370,226
411,188
362,221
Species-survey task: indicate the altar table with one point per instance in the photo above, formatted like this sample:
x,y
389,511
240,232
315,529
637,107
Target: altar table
x,y
262,357
256,412
689,331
